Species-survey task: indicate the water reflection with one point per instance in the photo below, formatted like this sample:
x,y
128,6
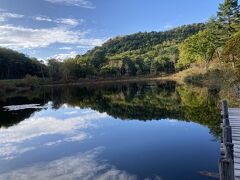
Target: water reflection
x,y
63,127
80,166
147,101
125,131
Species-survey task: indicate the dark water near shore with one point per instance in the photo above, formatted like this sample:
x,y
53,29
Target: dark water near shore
x,y
156,130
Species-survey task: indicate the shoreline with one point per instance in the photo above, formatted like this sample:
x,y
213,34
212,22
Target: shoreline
x,y
117,80
23,85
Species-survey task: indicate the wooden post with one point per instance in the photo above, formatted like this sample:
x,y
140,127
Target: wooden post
x,y
225,114
226,163
227,134
226,169
229,151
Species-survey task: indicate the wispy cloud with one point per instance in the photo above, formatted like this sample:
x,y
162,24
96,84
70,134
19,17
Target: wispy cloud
x,y
66,48
4,16
80,3
65,21
167,26
81,166
68,21
64,56
18,37
43,18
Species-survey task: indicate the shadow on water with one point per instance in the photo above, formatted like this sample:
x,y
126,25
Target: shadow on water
x,y
138,101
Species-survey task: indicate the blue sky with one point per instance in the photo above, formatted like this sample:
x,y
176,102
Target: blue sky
x,y
63,28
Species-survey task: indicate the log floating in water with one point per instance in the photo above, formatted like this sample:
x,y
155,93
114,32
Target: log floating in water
x,y
209,174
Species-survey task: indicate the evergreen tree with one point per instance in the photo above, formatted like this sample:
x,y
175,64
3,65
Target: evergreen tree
x,y
229,17
213,27
98,58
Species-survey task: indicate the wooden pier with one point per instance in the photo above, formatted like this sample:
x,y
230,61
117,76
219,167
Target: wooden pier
x,y
229,164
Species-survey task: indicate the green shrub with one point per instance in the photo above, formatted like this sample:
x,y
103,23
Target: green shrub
x,y
28,81
194,79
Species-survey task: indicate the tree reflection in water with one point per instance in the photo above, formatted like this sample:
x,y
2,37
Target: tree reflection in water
x,y
138,101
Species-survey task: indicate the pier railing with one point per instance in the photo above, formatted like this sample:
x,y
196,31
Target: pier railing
x,y
226,162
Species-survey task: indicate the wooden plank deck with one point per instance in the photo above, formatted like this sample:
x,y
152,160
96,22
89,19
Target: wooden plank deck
x,y
234,120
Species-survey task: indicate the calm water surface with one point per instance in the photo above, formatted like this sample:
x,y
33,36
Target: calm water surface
x,y
128,131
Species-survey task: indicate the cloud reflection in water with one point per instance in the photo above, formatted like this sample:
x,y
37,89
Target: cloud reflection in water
x,y
81,166
16,140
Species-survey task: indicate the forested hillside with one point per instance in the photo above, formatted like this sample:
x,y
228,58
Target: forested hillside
x,y
14,65
141,53
137,54
146,40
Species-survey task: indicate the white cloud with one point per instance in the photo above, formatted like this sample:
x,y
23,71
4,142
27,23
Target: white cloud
x,y
65,21
68,21
39,126
71,112
13,140
81,166
78,137
43,18
66,48
167,26
10,151
4,16
18,37
80,3
64,56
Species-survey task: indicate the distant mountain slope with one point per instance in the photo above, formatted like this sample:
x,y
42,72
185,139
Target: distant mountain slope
x,y
141,53
142,40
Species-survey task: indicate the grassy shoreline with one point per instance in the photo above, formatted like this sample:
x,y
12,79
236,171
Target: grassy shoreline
x,y
214,77
219,82
19,84
115,80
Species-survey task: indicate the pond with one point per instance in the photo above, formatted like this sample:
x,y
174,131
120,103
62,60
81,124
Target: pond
x,y
154,130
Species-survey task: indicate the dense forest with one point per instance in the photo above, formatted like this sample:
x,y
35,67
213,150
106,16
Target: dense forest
x,y
148,53
15,65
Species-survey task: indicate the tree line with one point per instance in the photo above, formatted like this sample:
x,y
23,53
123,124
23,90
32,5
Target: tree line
x,y
15,65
